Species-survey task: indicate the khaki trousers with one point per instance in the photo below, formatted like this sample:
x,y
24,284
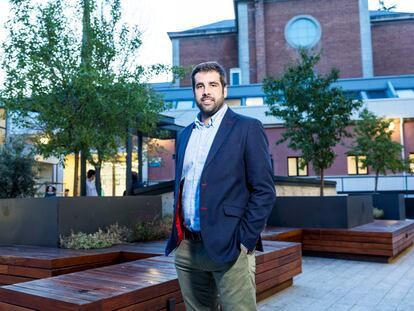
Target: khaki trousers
x,y
206,284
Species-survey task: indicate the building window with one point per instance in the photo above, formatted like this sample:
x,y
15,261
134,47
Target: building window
x,y
235,76
254,101
405,93
294,168
2,136
233,102
303,31
411,158
2,126
375,94
355,165
184,104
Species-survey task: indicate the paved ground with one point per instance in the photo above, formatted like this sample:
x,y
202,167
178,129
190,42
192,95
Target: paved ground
x,y
344,285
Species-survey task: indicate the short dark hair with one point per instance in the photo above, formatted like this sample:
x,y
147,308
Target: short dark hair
x,y
91,173
209,66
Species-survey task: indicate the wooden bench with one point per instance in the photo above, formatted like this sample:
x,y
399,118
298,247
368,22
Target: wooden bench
x,y
381,240
282,234
146,284
26,263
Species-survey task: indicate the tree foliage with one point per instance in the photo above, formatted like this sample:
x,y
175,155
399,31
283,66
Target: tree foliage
x,y
315,113
373,141
17,171
77,84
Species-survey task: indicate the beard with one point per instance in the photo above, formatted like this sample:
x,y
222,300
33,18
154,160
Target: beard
x,y
209,105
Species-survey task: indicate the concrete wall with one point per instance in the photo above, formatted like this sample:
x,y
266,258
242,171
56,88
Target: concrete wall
x,y
321,212
41,221
289,190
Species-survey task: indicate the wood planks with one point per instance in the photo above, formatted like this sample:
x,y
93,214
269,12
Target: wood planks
x,y
380,240
282,234
276,267
25,263
146,284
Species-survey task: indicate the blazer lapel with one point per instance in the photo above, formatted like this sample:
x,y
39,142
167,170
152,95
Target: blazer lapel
x,y
224,130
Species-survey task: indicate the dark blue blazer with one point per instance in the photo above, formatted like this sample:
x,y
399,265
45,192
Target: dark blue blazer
x,y
237,189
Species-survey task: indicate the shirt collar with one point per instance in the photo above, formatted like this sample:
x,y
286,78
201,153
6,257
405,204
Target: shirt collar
x,y
214,120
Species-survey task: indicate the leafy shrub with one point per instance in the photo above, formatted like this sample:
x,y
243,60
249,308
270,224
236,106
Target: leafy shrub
x,y
114,234
156,229
17,170
378,213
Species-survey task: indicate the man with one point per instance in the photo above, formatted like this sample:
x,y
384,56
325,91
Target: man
x,y
224,192
90,184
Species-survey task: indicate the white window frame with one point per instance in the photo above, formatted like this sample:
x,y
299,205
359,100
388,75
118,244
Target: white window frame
x,y
237,71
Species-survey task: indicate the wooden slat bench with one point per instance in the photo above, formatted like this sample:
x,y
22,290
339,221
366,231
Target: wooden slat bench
x,y
282,234
146,284
25,263
381,240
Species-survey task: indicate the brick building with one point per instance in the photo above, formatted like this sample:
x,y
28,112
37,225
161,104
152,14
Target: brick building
x,y
266,34
372,50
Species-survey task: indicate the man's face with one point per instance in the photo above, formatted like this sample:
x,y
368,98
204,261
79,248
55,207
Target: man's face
x,y
209,92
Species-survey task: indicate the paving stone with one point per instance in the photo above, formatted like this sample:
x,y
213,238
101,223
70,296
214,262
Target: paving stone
x,y
344,285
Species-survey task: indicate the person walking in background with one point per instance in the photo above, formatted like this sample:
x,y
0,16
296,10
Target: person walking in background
x,y
50,191
224,192
90,184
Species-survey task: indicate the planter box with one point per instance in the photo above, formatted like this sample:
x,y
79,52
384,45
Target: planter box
x,y
321,212
392,204
409,208
40,221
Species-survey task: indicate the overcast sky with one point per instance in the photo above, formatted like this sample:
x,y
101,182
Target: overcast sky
x,y
157,17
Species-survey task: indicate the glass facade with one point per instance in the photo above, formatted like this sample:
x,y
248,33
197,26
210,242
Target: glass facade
x,y
233,102
254,101
113,174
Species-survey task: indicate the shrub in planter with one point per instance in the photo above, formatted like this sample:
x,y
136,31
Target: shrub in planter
x,y
378,213
114,234
156,229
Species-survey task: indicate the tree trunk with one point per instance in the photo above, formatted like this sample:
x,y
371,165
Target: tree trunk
x,y
140,173
113,178
376,181
98,178
128,179
76,175
322,183
83,158
86,52
85,63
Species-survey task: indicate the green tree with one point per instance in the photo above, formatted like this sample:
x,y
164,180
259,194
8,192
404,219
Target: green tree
x,y
78,85
315,113
17,170
375,147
